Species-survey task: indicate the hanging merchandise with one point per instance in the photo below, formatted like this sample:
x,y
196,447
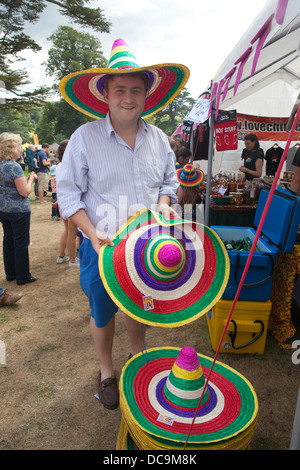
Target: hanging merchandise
x,y
201,141
226,131
290,157
273,156
186,131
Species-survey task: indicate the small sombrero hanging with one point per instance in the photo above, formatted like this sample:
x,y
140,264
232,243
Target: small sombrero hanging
x,y
160,397
84,90
189,176
164,273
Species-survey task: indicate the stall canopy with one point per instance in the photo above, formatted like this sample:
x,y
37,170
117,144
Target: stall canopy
x,y
261,76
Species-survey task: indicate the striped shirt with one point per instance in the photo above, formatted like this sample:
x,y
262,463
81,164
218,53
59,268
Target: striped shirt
x,y
101,174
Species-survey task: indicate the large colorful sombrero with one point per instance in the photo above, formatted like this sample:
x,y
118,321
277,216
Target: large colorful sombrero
x,y
164,273
84,90
160,394
189,176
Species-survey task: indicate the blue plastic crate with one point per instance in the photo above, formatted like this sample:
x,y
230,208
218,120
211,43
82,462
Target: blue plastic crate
x,y
278,235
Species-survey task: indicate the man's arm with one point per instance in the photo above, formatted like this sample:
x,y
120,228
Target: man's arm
x,y
168,189
47,162
98,239
165,209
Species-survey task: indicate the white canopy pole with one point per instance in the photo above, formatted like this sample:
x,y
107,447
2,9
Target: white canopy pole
x,y
295,442
209,165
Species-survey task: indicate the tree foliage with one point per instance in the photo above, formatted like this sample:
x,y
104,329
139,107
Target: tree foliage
x,y
170,117
13,16
19,123
58,121
73,51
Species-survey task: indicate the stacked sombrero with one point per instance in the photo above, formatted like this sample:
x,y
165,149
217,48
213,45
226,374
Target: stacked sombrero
x,y
166,405
164,273
189,176
84,90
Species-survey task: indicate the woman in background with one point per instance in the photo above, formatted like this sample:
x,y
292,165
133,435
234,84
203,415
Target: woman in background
x,y
15,210
253,157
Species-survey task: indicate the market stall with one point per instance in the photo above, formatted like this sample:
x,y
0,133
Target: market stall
x,y
232,200
260,77
260,82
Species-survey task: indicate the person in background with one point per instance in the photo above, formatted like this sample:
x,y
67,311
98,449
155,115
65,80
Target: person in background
x,y
69,236
183,156
54,211
178,140
6,299
188,193
32,166
253,157
43,164
15,210
173,146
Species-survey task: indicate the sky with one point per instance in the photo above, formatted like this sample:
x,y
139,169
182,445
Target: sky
x,y
199,34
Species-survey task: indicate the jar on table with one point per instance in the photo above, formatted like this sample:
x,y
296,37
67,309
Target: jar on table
x,y
247,199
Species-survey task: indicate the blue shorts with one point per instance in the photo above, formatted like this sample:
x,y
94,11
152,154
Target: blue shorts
x,y
102,306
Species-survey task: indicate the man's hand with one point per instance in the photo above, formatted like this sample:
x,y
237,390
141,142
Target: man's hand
x,y
167,211
100,240
97,238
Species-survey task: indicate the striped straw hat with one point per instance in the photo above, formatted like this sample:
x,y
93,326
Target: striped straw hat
x,y
164,273
160,393
84,90
189,176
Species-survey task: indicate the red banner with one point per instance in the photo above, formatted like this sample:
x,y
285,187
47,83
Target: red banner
x,y
266,128
226,135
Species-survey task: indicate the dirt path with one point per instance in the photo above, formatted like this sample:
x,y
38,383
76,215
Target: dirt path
x,y
48,384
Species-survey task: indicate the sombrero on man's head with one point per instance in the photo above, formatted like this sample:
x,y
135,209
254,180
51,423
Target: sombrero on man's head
x,y
84,90
160,395
188,175
164,273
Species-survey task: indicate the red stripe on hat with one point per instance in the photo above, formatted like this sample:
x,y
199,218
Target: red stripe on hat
x,y
84,94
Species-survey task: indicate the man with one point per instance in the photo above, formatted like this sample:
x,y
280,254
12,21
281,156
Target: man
x,y
111,168
43,164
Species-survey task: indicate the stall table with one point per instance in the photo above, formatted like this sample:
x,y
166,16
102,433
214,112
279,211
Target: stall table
x,y
286,269
232,215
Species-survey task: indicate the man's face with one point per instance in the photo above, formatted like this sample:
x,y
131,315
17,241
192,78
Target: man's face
x,y
125,97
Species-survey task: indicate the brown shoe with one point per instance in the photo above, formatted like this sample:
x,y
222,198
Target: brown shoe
x,y
109,392
9,299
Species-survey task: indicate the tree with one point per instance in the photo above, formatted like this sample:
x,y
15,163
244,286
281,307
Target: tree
x,y
58,121
18,123
73,51
170,117
13,15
